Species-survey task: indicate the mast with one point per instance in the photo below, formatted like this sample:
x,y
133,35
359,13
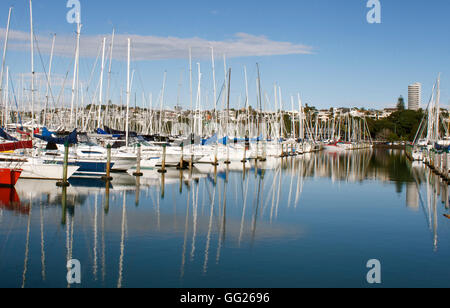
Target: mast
x,y
22,90
49,80
151,114
198,118
32,65
79,86
6,97
214,118
275,91
128,91
246,100
228,117
162,103
430,116
74,81
438,109
100,98
109,76
300,118
260,110
214,79
4,52
280,98
190,86
293,119
225,81
259,89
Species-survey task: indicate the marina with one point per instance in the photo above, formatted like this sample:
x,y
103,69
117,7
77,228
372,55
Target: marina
x,y
135,153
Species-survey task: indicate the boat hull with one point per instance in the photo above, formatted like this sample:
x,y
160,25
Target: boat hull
x,y
9,177
123,164
91,168
334,148
36,168
46,172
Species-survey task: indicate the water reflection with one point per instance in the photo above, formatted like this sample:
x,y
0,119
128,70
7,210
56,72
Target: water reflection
x,y
185,228
427,199
10,201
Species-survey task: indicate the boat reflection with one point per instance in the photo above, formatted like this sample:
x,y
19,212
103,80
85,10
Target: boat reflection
x,y
425,193
10,201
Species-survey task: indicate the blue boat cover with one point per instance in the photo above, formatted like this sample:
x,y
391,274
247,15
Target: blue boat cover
x,y
210,141
6,136
226,140
111,131
442,148
71,139
46,132
102,132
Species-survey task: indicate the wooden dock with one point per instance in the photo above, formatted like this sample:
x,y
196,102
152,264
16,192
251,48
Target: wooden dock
x,y
437,161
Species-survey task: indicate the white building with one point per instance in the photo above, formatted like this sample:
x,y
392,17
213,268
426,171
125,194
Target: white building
x,y
414,96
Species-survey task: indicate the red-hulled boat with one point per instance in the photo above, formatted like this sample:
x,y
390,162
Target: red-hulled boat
x,y
9,177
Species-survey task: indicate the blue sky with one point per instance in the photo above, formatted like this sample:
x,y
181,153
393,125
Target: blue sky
x,y
349,61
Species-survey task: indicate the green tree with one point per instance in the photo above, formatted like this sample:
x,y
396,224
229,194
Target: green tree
x,y
401,125
401,104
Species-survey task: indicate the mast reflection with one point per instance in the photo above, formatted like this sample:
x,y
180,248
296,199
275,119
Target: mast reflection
x,y
206,211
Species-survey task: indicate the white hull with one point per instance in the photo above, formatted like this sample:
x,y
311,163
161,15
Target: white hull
x,y
35,168
335,148
123,164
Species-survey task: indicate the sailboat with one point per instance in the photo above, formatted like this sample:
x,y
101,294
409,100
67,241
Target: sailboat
x,y
337,146
429,136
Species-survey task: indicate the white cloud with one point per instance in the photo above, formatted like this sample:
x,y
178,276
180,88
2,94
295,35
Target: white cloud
x,y
159,48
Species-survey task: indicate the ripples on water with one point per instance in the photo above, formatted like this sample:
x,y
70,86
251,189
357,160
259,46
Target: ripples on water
x,y
311,221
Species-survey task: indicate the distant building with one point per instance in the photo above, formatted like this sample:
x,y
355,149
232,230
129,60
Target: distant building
x,y
414,96
387,112
357,113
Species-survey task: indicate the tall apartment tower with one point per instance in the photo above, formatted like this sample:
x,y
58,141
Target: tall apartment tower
x,y
414,96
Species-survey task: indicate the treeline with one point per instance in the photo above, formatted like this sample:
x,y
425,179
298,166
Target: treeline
x,y
400,126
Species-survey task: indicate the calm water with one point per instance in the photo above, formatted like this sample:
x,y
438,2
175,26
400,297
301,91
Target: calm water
x,y
312,221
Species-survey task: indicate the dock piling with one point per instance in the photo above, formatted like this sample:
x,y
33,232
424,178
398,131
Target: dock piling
x,y
138,172
163,164
108,177
181,165
64,182
216,161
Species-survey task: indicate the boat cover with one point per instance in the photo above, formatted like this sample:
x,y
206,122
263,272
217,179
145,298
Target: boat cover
x,y
6,136
71,139
111,131
102,132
